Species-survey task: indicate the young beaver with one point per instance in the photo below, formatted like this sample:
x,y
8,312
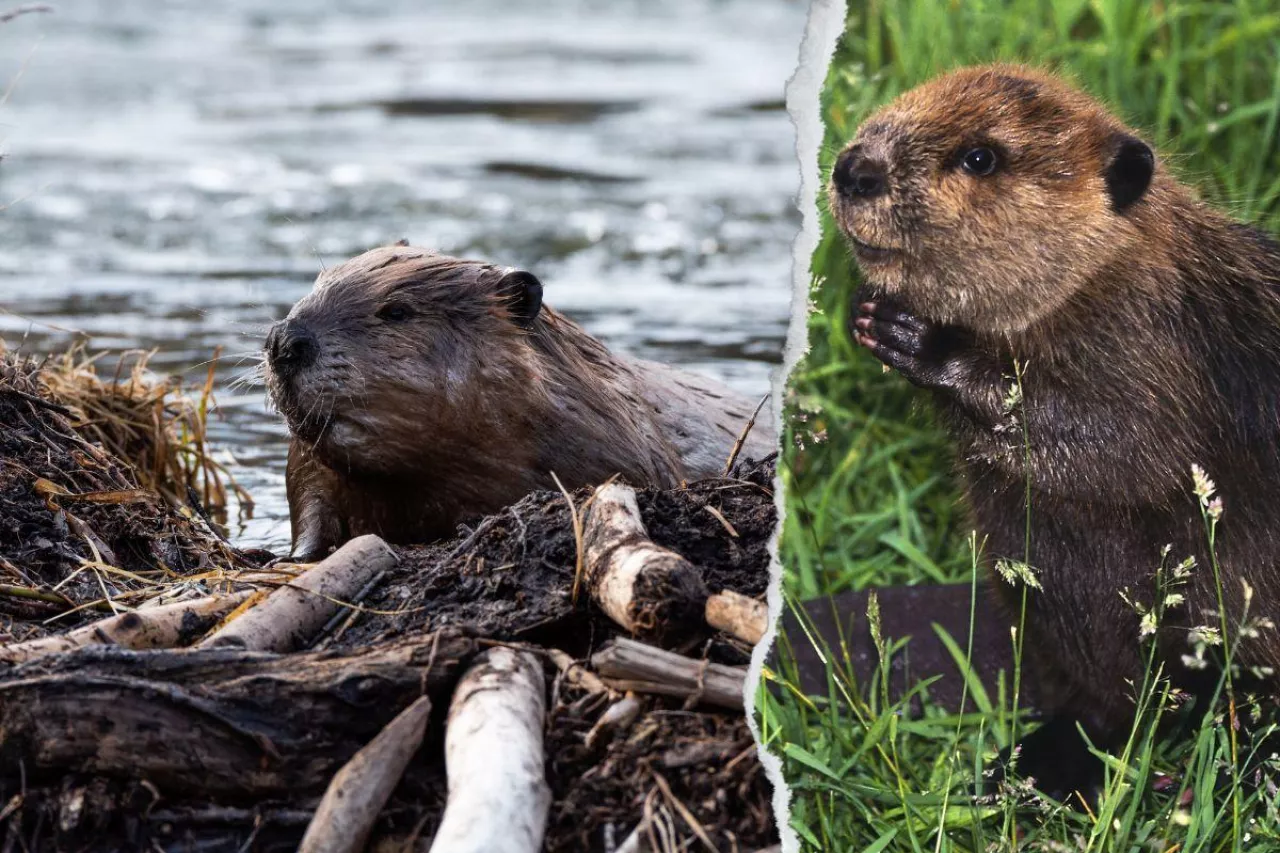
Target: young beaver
x,y
422,389
999,214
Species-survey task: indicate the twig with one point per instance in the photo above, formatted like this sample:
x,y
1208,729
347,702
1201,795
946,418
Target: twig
x,y
742,436
35,595
575,518
360,790
9,389
30,8
683,811
577,673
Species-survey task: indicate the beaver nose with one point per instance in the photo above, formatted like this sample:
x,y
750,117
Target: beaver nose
x,y
858,175
291,346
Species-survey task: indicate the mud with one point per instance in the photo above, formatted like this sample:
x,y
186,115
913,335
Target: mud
x,y
511,576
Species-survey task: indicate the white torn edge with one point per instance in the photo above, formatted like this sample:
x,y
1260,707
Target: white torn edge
x,y
804,90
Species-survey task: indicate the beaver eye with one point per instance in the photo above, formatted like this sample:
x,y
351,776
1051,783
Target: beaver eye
x,y
395,312
980,162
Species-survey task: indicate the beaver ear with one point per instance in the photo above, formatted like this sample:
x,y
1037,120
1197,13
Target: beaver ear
x,y
403,241
1129,172
524,296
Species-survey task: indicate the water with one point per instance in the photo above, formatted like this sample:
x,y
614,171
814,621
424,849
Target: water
x,y
176,174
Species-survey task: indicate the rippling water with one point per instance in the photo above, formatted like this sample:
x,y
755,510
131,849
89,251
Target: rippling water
x,y
176,173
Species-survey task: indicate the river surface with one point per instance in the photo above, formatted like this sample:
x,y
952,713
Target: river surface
x,y
176,173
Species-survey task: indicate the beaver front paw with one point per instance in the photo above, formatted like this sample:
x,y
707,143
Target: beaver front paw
x,y
921,351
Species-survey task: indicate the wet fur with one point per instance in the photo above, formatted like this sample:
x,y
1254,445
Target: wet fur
x,y
1150,335
406,428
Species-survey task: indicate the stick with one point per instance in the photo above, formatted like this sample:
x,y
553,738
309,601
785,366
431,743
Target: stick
x,y
498,794
739,615
362,787
162,627
5,18
649,590
576,673
626,664
616,720
292,614
742,436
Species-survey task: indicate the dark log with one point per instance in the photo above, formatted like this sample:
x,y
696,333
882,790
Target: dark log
x,y
214,722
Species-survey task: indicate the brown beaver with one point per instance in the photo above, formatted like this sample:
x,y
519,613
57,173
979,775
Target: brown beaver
x,y
998,214
421,389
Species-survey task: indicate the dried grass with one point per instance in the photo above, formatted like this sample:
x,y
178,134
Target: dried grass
x,y
108,493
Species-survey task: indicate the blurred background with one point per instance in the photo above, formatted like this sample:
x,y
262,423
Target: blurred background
x,y
175,175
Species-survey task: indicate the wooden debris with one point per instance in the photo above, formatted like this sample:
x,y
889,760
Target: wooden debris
x,y
289,617
361,788
629,665
213,722
649,590
736,614
615,720
576,673
498,794
160,627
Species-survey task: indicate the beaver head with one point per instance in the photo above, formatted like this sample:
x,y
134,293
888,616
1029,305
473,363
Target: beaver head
x,y
402,359
990,196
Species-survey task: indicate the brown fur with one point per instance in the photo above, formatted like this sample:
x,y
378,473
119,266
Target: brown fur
x,y
404,427
1150,336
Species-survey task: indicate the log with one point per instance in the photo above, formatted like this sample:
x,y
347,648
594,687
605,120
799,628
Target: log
x,y
649,590
498,795
214,722
628,665
357,794
161,627
289,617
739,615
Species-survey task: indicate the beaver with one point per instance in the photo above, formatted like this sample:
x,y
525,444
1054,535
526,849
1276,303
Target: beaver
x,y
421,390
1004,223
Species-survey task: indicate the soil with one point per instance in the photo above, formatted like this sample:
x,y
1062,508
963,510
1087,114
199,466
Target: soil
x,y
706,762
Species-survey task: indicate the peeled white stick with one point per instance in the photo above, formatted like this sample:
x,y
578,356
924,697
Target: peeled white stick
x,y
739,615
651,591
162,627
287,618
358,792
498,794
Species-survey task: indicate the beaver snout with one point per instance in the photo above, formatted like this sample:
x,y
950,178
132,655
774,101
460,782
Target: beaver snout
x,y
859,176
291,347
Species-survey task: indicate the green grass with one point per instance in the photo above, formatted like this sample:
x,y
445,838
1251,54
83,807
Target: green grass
x,y
871,499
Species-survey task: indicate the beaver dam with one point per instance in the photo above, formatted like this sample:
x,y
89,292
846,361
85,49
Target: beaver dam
x,y
564,675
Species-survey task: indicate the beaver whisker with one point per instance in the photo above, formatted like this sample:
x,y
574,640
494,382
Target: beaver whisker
x,y
246,378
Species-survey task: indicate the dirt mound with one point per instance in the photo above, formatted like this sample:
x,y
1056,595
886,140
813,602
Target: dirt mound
x,y
512,576
85,467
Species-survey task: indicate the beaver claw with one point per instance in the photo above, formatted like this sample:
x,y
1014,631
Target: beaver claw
x,y
916,348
